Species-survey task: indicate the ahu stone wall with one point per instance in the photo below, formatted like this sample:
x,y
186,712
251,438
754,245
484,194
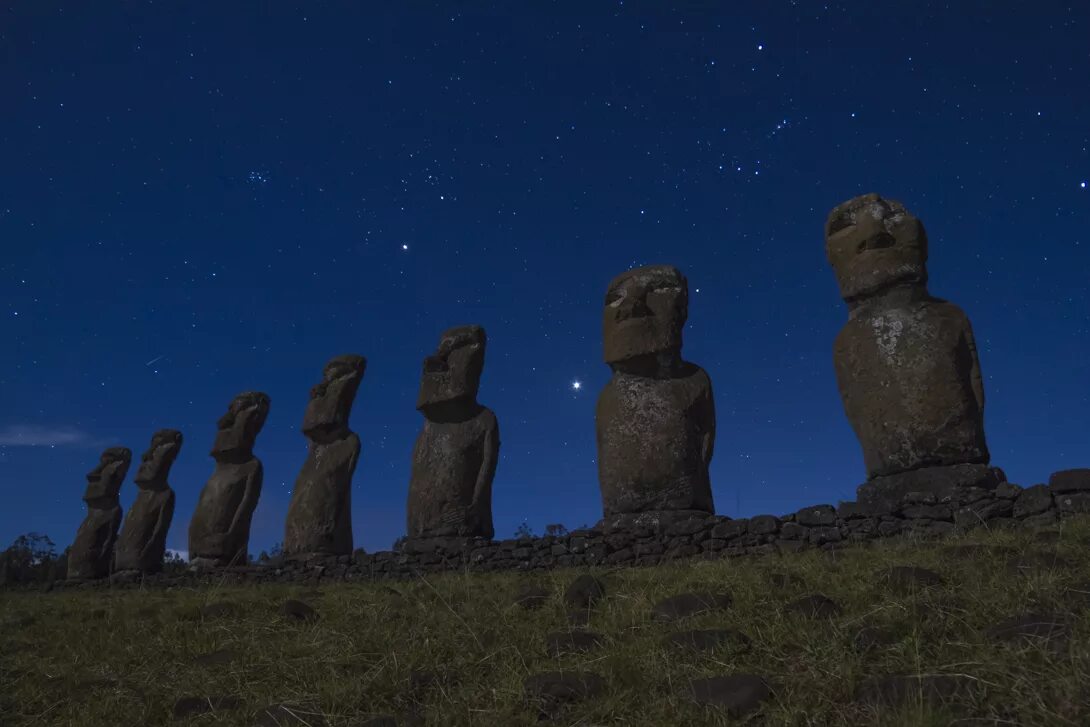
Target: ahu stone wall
x,y
924,514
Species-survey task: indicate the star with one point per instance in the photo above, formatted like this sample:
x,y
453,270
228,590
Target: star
x,y
404,247
576,385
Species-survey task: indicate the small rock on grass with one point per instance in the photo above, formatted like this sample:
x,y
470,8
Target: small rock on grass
x,y
186,707
584,592
689,604
531,596
739,694
569,686
815,605
297,611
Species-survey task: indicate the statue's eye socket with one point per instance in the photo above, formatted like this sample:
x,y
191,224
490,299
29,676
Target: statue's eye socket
x,y
839,223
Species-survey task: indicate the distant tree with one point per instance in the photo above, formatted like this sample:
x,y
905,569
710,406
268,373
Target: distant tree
x,y
30,558
524,531
556,529
35,546
276,550
174,563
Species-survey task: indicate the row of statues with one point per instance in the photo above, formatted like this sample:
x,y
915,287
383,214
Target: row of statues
x,y
906,367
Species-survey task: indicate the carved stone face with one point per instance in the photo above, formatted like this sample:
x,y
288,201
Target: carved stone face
x,y
331,400
104,481
157,460
453,372
645,311
873,243
239,427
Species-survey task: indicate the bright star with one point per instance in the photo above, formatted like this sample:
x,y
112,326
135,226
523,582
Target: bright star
x,y
404,247
575,385
1083,185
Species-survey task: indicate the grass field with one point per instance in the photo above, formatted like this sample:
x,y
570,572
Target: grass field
x,y
457,649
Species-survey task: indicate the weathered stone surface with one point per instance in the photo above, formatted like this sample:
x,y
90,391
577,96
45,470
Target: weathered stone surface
x,y
455,456
655,419
816,515
1075,480
219,532
683,605
738,694
93,549
143,539
886,494
319,517
1032,501
186,707
584,592
295,610
906,362
532,596
816,605
555,688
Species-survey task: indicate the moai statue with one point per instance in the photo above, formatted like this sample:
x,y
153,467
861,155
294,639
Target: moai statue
x,y
219,533
454,459
93,550
656,416
906,362
143,540
319,518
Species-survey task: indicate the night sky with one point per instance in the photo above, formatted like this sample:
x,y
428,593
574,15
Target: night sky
x,y
199,199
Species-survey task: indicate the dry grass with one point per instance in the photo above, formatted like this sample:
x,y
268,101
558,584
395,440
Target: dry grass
x,y
124,657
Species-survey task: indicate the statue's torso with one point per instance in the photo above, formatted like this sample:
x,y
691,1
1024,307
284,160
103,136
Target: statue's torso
x,y
905,376
93,546
447,460
651,442
319,516
142,525
222,496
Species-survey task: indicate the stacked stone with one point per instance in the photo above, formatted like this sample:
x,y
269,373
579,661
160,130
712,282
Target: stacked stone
x,y
219,533
319,520
143,540
655,419
93,549
906,362
455,455
818,526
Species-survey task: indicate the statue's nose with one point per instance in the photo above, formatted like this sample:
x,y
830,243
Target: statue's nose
x,y
435,365
877,241
633,306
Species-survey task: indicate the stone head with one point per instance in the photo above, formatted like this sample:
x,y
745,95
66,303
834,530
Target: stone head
x,y
157,460
239,427
873,243
645,312
104,481
452,375
331,399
